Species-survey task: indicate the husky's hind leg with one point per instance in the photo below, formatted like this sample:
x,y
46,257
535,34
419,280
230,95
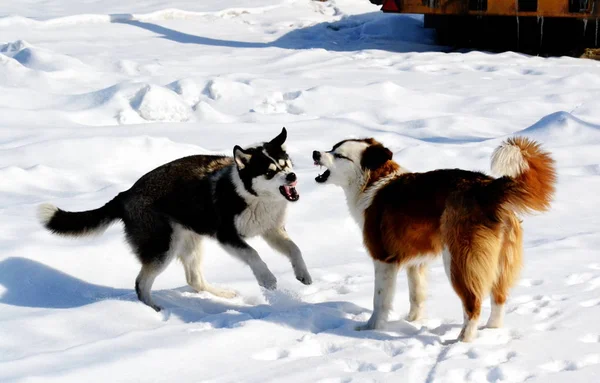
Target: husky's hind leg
x,y
190,254
150,236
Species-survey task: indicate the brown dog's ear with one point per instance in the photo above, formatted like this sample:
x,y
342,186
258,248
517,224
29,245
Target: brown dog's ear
x,y
374,156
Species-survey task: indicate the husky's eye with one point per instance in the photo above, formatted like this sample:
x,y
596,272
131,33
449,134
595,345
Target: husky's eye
x,y
270,174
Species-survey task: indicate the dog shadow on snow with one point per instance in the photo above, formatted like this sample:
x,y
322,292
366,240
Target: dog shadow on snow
x,y
375,30
27,283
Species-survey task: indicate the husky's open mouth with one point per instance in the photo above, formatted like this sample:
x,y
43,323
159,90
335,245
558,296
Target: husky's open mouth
x,y
289,192
323,177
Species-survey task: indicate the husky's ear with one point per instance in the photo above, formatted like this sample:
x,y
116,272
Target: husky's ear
x,y
241,157
278,141
374,156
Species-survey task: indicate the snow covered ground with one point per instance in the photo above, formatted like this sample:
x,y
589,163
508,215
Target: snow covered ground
x,y
95,93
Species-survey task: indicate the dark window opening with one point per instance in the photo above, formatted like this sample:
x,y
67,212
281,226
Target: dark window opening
x,y
477,5
579,6
431,3
528,5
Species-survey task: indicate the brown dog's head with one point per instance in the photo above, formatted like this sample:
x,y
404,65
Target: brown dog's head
x,y
349,160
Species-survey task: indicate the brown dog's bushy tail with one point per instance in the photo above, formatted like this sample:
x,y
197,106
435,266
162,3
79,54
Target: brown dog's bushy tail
x,y
528,175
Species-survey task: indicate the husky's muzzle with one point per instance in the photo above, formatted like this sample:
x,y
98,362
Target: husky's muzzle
x,y
288,191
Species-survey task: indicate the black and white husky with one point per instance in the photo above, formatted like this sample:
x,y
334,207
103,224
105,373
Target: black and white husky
x,y
168,211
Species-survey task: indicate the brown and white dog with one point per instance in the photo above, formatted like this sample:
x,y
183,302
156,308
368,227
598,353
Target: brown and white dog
x,y
469,218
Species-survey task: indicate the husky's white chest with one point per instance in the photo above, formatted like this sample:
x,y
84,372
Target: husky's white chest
x,y
260,217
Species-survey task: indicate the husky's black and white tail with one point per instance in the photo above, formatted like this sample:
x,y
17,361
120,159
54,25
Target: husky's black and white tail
x,y
77,224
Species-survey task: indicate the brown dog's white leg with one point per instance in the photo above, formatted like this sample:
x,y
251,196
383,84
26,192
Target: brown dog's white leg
x,y
383,297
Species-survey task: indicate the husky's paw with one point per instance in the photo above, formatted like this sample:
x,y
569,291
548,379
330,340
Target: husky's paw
x,y
268,281
156,307
414,315
303,276
216,291
223,293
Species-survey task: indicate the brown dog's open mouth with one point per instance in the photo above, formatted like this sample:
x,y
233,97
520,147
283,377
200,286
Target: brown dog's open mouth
x,y
321,178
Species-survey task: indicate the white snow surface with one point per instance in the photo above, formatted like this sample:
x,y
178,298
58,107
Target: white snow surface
x,y
95,93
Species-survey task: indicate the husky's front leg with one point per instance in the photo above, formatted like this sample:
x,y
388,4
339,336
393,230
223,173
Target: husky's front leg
x,y
279,240
236,246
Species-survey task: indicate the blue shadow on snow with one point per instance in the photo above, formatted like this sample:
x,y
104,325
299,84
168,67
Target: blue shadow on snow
x,y
28,283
